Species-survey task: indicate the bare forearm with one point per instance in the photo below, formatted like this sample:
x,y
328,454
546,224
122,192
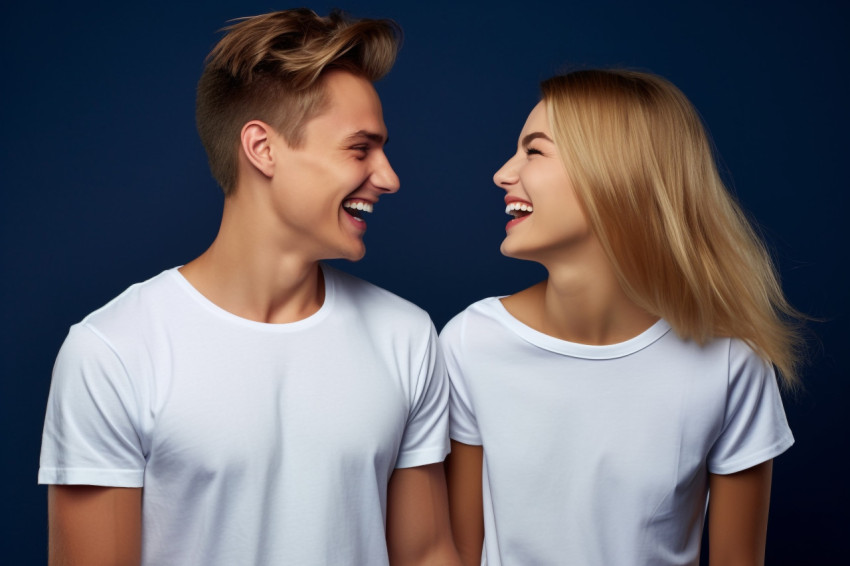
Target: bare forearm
x,y
418,532
738,510
440,554
94,526
466,507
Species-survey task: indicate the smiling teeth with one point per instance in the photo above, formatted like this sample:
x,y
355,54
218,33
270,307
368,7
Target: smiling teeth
x,y
518,207
364,206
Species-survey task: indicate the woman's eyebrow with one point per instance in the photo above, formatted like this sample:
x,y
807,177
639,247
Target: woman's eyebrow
x,y
533,136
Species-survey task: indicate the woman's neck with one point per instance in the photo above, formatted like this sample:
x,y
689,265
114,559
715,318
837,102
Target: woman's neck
x,y
581,301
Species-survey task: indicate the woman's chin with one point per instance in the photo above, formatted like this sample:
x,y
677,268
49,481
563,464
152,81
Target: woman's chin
x,y
510,249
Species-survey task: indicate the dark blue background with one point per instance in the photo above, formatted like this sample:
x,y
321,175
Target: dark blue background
x,y
105,183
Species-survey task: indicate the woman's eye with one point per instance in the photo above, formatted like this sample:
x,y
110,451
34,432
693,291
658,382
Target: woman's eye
x,y
533,151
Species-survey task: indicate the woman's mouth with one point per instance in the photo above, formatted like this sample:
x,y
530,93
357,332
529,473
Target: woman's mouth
x,y
519,210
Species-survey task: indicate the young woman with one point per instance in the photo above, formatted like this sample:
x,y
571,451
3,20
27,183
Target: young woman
x,y
592,413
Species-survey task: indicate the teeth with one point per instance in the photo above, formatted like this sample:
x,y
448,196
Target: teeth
x,y
364,206
518,207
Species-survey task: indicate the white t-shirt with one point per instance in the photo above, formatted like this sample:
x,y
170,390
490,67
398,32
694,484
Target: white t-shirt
x,y
600,455
255,443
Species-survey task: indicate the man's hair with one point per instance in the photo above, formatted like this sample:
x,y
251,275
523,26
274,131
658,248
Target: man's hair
x,y
269,67
643,168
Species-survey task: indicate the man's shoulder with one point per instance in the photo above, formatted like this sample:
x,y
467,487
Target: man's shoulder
x,y
124,328
134,304
373,301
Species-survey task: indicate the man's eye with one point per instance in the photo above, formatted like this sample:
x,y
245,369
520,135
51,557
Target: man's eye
x,y
362,151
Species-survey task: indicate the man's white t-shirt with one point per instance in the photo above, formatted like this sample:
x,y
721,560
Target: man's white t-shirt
x,y
600,455
254,443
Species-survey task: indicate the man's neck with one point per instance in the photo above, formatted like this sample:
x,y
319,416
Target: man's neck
x,y
245,272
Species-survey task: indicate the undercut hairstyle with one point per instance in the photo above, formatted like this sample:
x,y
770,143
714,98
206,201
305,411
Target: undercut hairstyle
x,y
269,68
643,168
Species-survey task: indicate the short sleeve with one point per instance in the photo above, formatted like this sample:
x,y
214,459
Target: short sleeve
x,y
425,439
463,425
90,429
754,428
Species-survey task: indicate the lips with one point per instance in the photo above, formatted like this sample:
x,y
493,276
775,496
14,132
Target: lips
x,y
356,207
519,209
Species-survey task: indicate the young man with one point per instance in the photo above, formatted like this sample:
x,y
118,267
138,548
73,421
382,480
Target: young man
x,y
255,406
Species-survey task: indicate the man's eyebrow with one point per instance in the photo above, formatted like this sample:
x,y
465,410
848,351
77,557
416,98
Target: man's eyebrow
x,y
533,136
371,136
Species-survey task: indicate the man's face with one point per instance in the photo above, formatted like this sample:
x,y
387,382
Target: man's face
x,y
323,188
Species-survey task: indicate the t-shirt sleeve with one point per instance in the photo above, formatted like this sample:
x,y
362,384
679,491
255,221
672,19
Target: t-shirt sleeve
x,y
426,439
90,429
755,428
463,425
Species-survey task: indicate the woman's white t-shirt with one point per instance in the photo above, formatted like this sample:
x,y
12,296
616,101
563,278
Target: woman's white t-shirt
x,y
600,455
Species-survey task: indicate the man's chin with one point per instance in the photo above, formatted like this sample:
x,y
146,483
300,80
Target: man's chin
x,y
353,254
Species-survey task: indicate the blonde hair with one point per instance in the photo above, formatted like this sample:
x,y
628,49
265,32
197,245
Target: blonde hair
x,y
268,68
643,168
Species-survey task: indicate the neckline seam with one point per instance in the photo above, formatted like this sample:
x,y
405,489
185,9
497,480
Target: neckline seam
x,y
222,314
574,349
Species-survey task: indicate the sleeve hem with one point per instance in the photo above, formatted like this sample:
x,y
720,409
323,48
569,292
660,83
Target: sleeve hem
x,y
84,476
740,464
422,457
465,438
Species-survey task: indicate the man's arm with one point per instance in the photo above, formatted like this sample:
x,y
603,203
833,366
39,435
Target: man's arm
x,y
418,529
94,526
737,516
466,504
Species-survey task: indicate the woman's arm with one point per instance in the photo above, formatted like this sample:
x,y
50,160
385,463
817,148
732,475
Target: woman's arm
x,y
466,506
737,516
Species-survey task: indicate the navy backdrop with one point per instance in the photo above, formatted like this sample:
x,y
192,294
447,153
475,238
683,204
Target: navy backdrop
x,y
105,182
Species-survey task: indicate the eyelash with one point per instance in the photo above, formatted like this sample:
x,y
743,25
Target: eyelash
x,y
364,149
533,151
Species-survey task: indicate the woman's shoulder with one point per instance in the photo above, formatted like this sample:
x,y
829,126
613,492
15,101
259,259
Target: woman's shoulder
x,y
527,299
527,305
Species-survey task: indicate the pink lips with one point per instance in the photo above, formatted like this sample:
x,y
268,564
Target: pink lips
x,y
357,221
514,221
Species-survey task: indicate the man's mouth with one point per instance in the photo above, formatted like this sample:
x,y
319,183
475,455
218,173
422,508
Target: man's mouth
x,y
519,209
356,208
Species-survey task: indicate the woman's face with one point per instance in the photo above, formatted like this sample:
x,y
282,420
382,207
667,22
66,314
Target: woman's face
x,y
548,219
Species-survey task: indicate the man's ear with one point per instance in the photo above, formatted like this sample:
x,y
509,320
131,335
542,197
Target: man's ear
x,y
256,139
